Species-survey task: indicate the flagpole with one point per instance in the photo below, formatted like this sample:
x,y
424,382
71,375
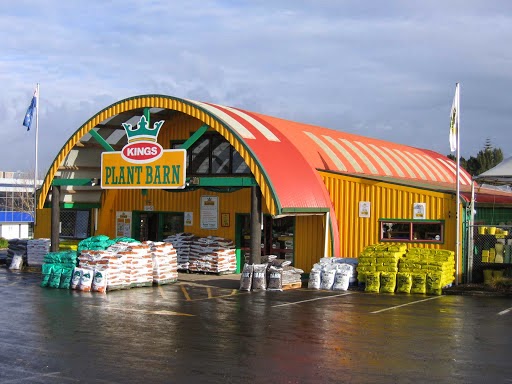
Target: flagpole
x,y
457,190
36,154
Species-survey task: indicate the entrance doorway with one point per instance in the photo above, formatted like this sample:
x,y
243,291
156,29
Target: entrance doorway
x,y
148,226
156,226
277,237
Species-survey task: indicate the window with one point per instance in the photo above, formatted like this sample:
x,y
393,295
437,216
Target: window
x,y
419,231
212,155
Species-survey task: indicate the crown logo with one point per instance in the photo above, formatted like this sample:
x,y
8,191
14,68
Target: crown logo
x,y
142,132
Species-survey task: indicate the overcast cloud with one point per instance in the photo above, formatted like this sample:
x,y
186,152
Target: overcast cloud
x,y
383,69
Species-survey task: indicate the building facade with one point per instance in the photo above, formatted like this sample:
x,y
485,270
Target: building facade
x,y
322,192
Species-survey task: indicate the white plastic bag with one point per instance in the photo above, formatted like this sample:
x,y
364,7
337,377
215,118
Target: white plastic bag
x,y
75,279
99,281
328,275
314,279
16,262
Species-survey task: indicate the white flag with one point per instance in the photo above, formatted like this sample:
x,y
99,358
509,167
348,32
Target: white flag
x,y
454,121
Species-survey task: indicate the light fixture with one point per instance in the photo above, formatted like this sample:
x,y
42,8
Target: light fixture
x,y
94,181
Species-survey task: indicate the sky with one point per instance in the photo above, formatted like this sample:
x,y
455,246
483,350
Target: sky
x,y
382,69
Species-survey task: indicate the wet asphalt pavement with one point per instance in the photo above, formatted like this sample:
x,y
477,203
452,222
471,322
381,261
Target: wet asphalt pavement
x,y
208,332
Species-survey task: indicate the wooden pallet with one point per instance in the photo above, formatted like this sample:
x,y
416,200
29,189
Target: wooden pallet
x,y
292,286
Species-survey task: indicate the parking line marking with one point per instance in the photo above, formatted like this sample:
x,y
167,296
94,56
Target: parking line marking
x,y
505,311
163,312
305,301
209,291
185,293
403,305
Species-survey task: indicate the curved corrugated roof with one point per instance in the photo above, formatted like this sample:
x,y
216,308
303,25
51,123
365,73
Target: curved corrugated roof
x,y
337,151
283,155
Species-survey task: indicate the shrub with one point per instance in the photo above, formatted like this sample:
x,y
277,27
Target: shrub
x,y
501,283
4,243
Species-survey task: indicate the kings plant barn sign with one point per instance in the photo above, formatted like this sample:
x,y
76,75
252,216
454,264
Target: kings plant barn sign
x,y
143,163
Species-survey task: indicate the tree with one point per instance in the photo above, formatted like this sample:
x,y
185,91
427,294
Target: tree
x,y
486,159
23,193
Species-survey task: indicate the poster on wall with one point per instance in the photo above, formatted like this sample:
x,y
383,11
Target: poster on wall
x,y
123,224
209,212
420,210
364,209
189,219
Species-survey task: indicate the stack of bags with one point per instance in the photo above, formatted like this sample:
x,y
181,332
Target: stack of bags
x,y
57,269
426,271
36,251
212,254
182,242
141,264
331,273
378,267
165,265
272,274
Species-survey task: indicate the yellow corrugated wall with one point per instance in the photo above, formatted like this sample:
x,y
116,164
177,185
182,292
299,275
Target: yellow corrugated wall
x,y
388,201
134,200
309,241
43,226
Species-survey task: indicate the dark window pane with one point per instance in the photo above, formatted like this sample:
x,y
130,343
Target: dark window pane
x,y
221,156
200,161
239,165
428,231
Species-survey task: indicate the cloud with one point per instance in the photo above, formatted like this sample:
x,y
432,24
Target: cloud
x,y
379,69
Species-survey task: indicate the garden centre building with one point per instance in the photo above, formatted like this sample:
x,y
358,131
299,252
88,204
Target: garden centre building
x,y
153,165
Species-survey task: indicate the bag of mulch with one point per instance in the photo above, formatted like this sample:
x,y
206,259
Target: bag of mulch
x,y
372,282
46,272
387,282
275,279
433,283
246,278
280,263
16,262
75,278
403,282
55,276
315,278
65,278
259,277
86,280
328,275
418,283
99,281
342,277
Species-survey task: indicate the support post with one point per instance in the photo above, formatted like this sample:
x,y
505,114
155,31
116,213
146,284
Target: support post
x,y
255,256
55,223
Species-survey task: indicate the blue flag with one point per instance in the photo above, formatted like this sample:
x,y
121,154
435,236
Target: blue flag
x,y
27,121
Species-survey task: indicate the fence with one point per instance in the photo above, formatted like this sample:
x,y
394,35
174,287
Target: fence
x,y
489,248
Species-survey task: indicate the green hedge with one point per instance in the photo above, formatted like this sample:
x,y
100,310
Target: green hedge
x,y
4,243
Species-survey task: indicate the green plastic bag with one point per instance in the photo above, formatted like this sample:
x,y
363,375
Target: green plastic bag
x,y
55,276
46,272
65,278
